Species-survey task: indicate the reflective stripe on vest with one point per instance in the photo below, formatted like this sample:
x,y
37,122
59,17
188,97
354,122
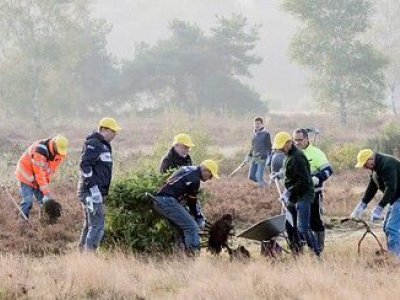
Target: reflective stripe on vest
x,y
44,188
21,171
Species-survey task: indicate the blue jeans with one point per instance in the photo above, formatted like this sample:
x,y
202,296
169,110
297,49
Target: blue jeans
x,y
93,227
27,192
303,208
256,171
170,208
391,227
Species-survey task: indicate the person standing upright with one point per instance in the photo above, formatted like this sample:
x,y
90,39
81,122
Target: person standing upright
x,y
178,155
321,170
259,153
95,178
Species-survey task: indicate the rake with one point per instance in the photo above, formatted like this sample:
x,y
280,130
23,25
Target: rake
x,y
367,230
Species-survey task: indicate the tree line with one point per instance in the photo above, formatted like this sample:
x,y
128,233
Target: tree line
x,y
54,59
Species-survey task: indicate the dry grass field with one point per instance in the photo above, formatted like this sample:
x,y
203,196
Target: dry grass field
x,y
41,262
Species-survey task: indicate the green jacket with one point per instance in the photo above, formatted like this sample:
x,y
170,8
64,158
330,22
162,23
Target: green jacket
x,y
298,177
385,177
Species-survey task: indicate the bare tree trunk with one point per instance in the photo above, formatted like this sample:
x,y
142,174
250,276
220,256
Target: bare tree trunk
x,y
392,91
35,98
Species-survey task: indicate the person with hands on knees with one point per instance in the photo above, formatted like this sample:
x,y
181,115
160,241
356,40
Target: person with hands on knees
x,y
385,176
180,190
95,178
34,168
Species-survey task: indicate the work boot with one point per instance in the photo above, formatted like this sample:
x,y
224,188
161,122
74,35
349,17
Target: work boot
x,y
320,238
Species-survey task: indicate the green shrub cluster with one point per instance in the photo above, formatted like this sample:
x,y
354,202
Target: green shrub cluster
x,y
131,221
343,156
388,140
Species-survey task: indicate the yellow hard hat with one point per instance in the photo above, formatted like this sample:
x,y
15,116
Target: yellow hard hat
x,y
109,123
61,143
183,138
363,156
211,166
280,140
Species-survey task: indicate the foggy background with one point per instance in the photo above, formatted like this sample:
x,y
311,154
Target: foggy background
x,y
276,79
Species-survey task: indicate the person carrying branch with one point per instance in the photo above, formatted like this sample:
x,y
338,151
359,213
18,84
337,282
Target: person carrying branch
x,y
181,189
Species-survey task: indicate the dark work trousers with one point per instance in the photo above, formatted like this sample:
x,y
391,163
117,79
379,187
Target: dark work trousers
x,y
295,241
316,223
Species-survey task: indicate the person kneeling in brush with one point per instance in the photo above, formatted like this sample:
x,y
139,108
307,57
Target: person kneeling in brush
x,y
385,176
181,189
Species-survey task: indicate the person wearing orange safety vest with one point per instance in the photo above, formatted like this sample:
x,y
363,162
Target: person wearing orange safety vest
x,y
35,167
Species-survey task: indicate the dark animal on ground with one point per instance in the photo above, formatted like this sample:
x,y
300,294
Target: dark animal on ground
x,y
219,233
52,211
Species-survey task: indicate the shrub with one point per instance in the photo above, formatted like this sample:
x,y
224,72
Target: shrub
x,y
343,156
388,140
132,221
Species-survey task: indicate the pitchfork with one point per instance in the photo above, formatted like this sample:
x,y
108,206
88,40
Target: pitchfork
x,y
367,230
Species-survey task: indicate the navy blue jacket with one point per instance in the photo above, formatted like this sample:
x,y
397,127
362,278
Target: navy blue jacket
x,y
96,165
260,144
183,185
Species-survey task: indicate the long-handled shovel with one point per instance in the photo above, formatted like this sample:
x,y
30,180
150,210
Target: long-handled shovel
x,y
237,169
287,213
16,205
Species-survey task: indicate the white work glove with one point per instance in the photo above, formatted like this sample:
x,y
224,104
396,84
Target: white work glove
x,y
96,195
89,204
46,198
357,212
247,159
376,214
315,180
277,175
201,221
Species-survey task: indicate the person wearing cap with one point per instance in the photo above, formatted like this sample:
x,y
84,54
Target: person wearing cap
x,y
178,155
321,170
34,168
95,178
385,176
299,186
181,190
259,152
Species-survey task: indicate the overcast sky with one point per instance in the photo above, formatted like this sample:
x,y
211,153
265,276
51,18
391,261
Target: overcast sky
x,y
147,20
